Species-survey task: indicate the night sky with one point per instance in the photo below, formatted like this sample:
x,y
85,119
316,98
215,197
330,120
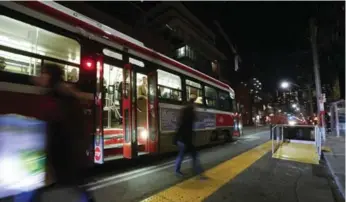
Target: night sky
x,y
271,37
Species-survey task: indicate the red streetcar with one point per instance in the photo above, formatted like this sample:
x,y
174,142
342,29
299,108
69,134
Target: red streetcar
x,y
138,92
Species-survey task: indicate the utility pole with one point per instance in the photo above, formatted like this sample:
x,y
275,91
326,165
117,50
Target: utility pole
x,y
311,108
320,105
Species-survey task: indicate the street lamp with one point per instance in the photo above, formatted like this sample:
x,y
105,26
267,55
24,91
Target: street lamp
x,y
294,105
285,84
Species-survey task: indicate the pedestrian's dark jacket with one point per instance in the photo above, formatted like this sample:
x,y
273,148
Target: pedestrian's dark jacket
x,y
67,141
186,122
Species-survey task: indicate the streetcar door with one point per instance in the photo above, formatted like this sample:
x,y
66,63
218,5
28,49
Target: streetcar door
x,y
152,113
129,112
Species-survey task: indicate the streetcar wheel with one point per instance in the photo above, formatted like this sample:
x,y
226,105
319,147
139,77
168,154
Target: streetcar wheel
x,y
213,136
227,135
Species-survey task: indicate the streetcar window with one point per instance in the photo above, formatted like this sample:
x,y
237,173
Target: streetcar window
x,y
136,62
112,77
112,54
210,96
19,64
225,101
112,88
71,72
169,86
194,88
19,35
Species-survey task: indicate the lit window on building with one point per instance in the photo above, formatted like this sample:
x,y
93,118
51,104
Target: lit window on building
x,y
181,52
186,51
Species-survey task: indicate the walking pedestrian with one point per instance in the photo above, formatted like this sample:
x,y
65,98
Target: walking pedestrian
x,y
184,138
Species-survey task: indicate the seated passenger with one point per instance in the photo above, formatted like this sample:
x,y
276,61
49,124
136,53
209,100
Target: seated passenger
x,y
142,91
199,100
73,75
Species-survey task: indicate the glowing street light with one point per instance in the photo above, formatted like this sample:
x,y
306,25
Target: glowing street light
x,y
285,84
294,105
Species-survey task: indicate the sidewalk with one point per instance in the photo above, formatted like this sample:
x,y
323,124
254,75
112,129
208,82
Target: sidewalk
x,y
274,180
335,160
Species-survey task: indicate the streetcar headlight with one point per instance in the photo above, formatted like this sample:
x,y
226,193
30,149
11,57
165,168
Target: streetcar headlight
x,y
144,134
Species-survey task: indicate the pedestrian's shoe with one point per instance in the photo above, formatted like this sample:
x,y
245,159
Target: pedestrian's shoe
x,y
179,174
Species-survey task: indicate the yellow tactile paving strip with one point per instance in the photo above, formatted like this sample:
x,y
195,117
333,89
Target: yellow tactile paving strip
x,y
195,189
303,153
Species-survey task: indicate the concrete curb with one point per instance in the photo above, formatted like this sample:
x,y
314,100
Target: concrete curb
x,y
336,178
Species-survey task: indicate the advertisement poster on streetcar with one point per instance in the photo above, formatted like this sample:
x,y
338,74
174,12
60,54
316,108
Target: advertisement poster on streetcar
x,y
98,149
22,154
169,120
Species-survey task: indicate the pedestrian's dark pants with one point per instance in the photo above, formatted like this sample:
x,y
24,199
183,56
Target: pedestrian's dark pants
x,y
195,161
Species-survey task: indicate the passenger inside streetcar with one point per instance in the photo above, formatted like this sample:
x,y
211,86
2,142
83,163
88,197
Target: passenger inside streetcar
x,y
142,111
143,89
194,89
73,75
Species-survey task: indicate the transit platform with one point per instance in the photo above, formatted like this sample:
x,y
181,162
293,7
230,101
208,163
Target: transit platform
x,y
240,171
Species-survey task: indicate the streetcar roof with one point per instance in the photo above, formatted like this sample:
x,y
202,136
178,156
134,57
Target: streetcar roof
x,y
65,14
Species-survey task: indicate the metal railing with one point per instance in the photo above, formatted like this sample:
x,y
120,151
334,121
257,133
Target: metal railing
x,y
305,134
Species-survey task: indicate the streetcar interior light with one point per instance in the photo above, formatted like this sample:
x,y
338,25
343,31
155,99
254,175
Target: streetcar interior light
x,y
144,134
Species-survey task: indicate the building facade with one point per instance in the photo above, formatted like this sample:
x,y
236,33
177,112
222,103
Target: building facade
x,y
253,102
192,42
243,99
167,27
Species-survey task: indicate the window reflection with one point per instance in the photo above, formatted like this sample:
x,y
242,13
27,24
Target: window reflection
x,y
71,73
169,86
22,36
225,101
194,89
19,64
210,96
